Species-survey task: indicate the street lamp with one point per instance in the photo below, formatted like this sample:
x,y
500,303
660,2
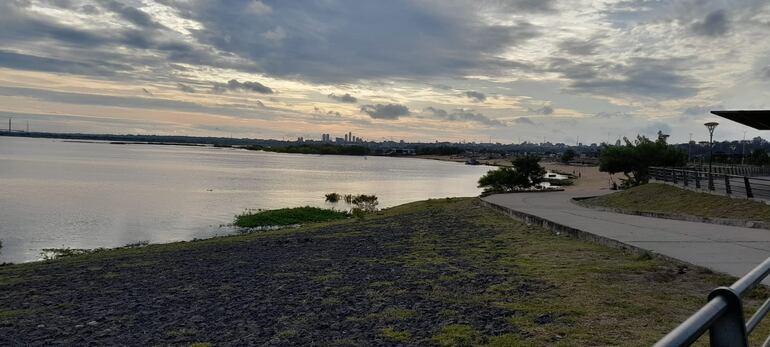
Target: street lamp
x,y
711,126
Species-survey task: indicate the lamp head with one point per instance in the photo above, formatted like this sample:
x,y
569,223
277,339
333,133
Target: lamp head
x,y
711,126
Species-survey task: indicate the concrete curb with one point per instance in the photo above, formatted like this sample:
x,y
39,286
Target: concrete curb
x,y
683,217
558,229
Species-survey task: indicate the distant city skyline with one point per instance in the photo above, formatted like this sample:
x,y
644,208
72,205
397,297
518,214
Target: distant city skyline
x,y
415,70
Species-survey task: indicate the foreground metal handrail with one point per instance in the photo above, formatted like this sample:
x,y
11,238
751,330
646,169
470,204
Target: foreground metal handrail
x,y
722,316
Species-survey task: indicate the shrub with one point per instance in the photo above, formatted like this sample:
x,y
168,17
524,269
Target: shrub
x,y
366,203
333,198
525,173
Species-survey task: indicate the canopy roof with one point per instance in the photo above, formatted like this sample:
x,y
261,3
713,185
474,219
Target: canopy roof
x,y
757,119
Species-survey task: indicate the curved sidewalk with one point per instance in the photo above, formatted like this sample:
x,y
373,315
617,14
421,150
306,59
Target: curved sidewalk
x,y
725,249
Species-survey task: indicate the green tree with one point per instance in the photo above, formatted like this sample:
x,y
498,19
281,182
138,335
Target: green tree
x,y
525,173
759,157
567,156
635,158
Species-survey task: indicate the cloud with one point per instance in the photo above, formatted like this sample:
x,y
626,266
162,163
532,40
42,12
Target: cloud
x,y
715,24
462,115
578,47
346,98
234,85
185,88
131,14
334,42
639,77
545,110
475,96
389,111
523,120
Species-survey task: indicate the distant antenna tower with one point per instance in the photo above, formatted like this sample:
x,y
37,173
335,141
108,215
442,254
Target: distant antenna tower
x,y
9,124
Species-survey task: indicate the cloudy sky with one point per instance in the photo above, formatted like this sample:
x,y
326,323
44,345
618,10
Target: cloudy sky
x,y
416,70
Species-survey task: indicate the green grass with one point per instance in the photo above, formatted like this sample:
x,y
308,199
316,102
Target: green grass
x,y
664,198
288,216
395,335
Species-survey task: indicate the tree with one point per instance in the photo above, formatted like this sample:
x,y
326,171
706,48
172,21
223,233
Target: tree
x,y
634,159
525,173
759,157
568,156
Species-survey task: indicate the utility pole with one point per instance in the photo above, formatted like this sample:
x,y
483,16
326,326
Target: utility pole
x,y
9,124
689,151
27,126
711,126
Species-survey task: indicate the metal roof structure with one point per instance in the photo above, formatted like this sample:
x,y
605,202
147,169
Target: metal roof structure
x,y
757,119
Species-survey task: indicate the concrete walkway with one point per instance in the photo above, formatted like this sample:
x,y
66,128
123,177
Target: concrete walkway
x,y
725,249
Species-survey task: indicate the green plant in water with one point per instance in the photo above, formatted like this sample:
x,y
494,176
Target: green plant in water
x,y
287,216
333,197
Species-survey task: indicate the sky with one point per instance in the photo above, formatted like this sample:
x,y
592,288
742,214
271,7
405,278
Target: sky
x,y
433,70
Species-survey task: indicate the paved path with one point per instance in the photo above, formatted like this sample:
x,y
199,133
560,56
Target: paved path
x,y
726,249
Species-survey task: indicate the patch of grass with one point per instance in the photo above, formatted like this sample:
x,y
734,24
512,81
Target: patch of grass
x,y
13,313
287,216
395,335
457,335
201,344
393,314
327,277
664,198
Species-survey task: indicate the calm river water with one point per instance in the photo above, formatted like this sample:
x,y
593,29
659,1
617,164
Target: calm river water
x,y
56,194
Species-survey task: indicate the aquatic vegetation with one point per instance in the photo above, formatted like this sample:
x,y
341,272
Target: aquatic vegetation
x,y
287,216
333,197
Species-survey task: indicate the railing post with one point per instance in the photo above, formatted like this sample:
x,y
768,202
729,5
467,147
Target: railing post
x,y
729,329
727,185
697,179
684,177
749,194
711,181
673,175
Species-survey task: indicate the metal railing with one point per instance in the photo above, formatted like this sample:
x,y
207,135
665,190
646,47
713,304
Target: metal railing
x,y
723,316
731,185
738,170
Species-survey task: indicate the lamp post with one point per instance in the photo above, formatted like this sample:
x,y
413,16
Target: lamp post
x,y
711,126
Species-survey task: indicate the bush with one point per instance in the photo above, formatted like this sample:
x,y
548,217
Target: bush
x,y
333,197
634,159
525,173
365,203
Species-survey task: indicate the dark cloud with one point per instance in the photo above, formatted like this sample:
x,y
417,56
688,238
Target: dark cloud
x,y
578,47
716,23
347,98
357,40
545,110
462,115
639,77
523,120
389,111
518,6
475,96
131,14
185,88
29,62
234,85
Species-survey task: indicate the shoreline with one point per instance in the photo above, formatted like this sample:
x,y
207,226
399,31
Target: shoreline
x,y
446,271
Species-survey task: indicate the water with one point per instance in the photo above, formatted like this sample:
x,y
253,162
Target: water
x,y
57,194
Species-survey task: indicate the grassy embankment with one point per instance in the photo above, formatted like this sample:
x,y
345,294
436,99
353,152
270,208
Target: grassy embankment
x,y
664,198
441,272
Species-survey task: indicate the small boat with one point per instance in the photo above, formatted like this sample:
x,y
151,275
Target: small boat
x,y
472,161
